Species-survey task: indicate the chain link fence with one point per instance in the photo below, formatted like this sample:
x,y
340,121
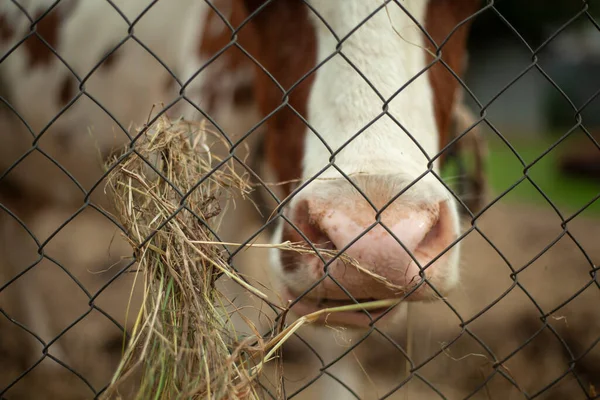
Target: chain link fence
x,y
524,321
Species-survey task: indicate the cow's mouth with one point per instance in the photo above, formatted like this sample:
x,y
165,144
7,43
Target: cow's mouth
x,y
355,315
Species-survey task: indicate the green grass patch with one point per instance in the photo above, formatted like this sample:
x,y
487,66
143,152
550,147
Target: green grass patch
x,y
568,193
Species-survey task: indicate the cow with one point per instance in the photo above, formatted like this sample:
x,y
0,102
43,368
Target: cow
x,y
351,104
377,119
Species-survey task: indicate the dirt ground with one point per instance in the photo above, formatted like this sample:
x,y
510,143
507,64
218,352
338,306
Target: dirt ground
x,y
455,352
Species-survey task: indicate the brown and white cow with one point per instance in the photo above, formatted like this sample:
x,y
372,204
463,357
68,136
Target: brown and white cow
x,y
359,106
364,127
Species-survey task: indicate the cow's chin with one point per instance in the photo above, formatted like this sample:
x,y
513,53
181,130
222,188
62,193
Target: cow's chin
x,y
386,312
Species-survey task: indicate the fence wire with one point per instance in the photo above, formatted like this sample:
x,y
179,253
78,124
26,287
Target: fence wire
x,y
573,355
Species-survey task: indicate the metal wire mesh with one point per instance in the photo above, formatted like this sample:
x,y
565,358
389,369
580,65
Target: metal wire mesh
x,y
573,352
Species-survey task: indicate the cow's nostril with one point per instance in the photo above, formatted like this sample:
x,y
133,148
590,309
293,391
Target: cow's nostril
x,y
439,238
303,227
309,226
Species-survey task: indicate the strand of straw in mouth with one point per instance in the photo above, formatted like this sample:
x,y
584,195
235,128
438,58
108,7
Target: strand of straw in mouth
x,y
276,342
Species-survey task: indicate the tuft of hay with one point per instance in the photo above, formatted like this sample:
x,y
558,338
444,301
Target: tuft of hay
x,y
182,343
168,195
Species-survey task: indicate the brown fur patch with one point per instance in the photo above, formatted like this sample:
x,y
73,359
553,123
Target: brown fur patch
x,y
6,32
288,52
442,17
46,28
233,57
243,95
67,90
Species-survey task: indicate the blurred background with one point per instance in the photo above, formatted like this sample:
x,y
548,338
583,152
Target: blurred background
x,y
533,112
529,316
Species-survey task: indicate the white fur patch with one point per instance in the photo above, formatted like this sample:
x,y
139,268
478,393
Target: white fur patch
x,y
387,50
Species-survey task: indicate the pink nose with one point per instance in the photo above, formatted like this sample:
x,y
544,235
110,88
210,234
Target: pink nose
x,y
390,255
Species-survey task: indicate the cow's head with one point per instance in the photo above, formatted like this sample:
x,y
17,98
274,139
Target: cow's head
x,y
357,133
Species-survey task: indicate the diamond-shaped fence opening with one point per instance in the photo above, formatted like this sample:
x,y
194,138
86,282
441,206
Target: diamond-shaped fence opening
x,y
242,199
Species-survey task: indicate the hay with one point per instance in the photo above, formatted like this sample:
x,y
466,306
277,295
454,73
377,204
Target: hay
x,y
183,343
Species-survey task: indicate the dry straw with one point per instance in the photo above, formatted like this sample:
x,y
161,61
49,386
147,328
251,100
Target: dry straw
x,y
183,344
